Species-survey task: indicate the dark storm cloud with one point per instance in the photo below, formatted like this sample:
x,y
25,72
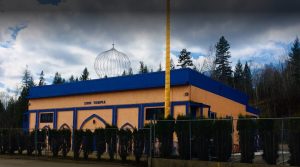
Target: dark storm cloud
x,y
154,6
67,36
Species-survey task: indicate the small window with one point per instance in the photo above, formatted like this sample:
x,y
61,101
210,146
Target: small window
x,y
155,113
46,118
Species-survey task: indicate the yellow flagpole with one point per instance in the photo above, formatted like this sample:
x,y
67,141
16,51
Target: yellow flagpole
x,y
167,72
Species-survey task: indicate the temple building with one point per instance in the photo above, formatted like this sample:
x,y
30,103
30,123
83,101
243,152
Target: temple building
x,y
131,101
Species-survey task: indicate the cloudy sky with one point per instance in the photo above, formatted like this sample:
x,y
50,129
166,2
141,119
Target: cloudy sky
x,y
66,35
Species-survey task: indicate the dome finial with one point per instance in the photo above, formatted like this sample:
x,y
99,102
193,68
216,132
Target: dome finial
x,y
113,44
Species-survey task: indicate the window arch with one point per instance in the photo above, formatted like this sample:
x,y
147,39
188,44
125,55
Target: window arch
x,y
91,117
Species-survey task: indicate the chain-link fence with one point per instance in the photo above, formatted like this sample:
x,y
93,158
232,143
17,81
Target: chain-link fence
x,y
247,140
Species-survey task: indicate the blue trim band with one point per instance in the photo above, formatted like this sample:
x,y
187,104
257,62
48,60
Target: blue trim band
x,y
55,119
37,119
114,116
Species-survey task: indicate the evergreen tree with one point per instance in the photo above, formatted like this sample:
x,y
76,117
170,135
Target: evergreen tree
x,y
42,79
184,59
238,76
247,77
85,75
143,68
27,80
124,73
2,109
223,70
159,68
72,79
172,65
130,72
11,113
294,61
2,115
21,105
58,79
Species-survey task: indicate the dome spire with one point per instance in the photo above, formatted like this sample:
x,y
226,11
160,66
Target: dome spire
x,y
113,44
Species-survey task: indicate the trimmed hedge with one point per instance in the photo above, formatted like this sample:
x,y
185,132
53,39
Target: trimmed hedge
x,y
165,130
77,143
182,129
294,141
111,140
100,142
270,140
87,143
247,129
222,138
138,143
202,134
59,140
125,137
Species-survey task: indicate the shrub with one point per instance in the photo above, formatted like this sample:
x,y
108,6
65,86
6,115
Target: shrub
x,y
165,129
30,142
201,134
41,137
65,141
77,143
36,140
294,141
111,140
87,143
182,129
21,141
12,141
4,142
146,134
269,137
100,142
222,138
247,130
54,141
125,136
138,143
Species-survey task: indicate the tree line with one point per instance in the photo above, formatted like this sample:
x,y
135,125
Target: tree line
x,y
274,90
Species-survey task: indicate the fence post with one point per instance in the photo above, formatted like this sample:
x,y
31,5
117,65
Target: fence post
x,y
282,154
35,142
190,133
150,146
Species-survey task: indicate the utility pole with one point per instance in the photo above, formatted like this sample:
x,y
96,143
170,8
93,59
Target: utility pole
x,y
167,72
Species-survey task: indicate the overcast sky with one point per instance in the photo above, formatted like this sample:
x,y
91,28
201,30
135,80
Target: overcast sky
x,y
66,35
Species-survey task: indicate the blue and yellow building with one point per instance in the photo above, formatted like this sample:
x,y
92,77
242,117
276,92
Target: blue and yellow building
x,y
131,101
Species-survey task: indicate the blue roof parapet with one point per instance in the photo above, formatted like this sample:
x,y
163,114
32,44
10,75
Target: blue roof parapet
x,y
140,81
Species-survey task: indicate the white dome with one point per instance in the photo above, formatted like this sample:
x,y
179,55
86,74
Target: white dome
x,y
111,63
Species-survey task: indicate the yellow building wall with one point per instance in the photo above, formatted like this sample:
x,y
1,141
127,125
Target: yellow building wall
x,y
221,105
65,117
82,115
32,119
179,110
127,115
113,98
